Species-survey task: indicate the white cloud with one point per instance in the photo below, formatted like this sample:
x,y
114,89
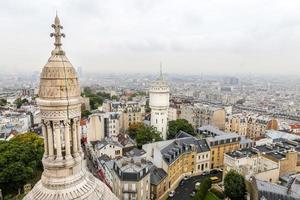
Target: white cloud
x,y
134,35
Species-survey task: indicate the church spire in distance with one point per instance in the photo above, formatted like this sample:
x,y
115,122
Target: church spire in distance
x,y
57,35
160,72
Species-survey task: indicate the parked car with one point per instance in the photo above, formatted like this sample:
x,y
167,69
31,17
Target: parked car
x,y
187,177
193,193
172,193
214,171
205,173
197,185
214,179
182,182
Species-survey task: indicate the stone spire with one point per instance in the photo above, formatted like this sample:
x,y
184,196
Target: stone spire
x,y
160,73
57,35
65,175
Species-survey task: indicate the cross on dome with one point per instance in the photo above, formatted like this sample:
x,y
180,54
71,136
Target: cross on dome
x,y
57,35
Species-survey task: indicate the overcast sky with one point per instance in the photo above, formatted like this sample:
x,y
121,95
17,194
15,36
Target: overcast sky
x,y
188,36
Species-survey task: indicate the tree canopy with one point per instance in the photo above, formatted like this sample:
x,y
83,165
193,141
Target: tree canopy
x,y
85,114
132,130
235,186
145,134
96,99
20,160
204,187
3,102
180,124
19,102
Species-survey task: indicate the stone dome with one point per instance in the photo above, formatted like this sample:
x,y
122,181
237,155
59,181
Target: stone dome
x,y
59,79
87,188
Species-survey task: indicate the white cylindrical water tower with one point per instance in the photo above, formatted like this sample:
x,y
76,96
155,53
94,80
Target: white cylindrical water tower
x,y
159,103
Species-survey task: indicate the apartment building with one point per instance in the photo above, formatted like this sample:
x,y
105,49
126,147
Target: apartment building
x,y
285,153
103,124
200,115
219,143
250,125
112,148
237,123
250,163
132,111
131,178
159,183
177,158
258,124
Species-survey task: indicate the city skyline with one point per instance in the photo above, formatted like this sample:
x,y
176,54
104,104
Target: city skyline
x,y
200,37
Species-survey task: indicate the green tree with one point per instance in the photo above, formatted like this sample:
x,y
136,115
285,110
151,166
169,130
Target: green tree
x,y
235,186
146,134
85,114
114,97
147,107
19,102
204,187
179,125
96,99
3,102
20,161
132,130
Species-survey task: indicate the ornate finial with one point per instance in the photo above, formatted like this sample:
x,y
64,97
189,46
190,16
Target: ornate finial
x,y
57,34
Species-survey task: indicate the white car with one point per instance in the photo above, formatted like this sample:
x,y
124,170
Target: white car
x,y
187,177
172,193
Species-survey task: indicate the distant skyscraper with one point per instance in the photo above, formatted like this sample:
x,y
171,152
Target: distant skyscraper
x,y
159,103
65,175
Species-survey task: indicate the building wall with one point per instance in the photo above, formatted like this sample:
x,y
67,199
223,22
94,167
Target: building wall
x,y
129,118
159,104
250,126
172,114
159,120
95,128
289,164
217,153
218,119
138,189
202,162
256,165
188,113
159,191
110,150
271,175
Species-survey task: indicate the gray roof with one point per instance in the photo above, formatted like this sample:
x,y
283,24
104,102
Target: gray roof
x,y
157,175
135,152
182,134
107,141
247,152
214,136
273,191
181,145
131,169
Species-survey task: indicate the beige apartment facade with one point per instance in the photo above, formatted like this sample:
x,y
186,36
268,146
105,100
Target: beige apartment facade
x,y
131,178
201,115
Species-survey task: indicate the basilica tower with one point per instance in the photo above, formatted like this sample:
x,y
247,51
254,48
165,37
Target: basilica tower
x,y
65,175
159,103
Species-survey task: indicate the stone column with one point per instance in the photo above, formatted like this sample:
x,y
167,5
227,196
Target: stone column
x,y
50,140
79,135
56,127
67,140
74,138
44,130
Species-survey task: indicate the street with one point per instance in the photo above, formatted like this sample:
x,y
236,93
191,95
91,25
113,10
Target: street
x,y
183,192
